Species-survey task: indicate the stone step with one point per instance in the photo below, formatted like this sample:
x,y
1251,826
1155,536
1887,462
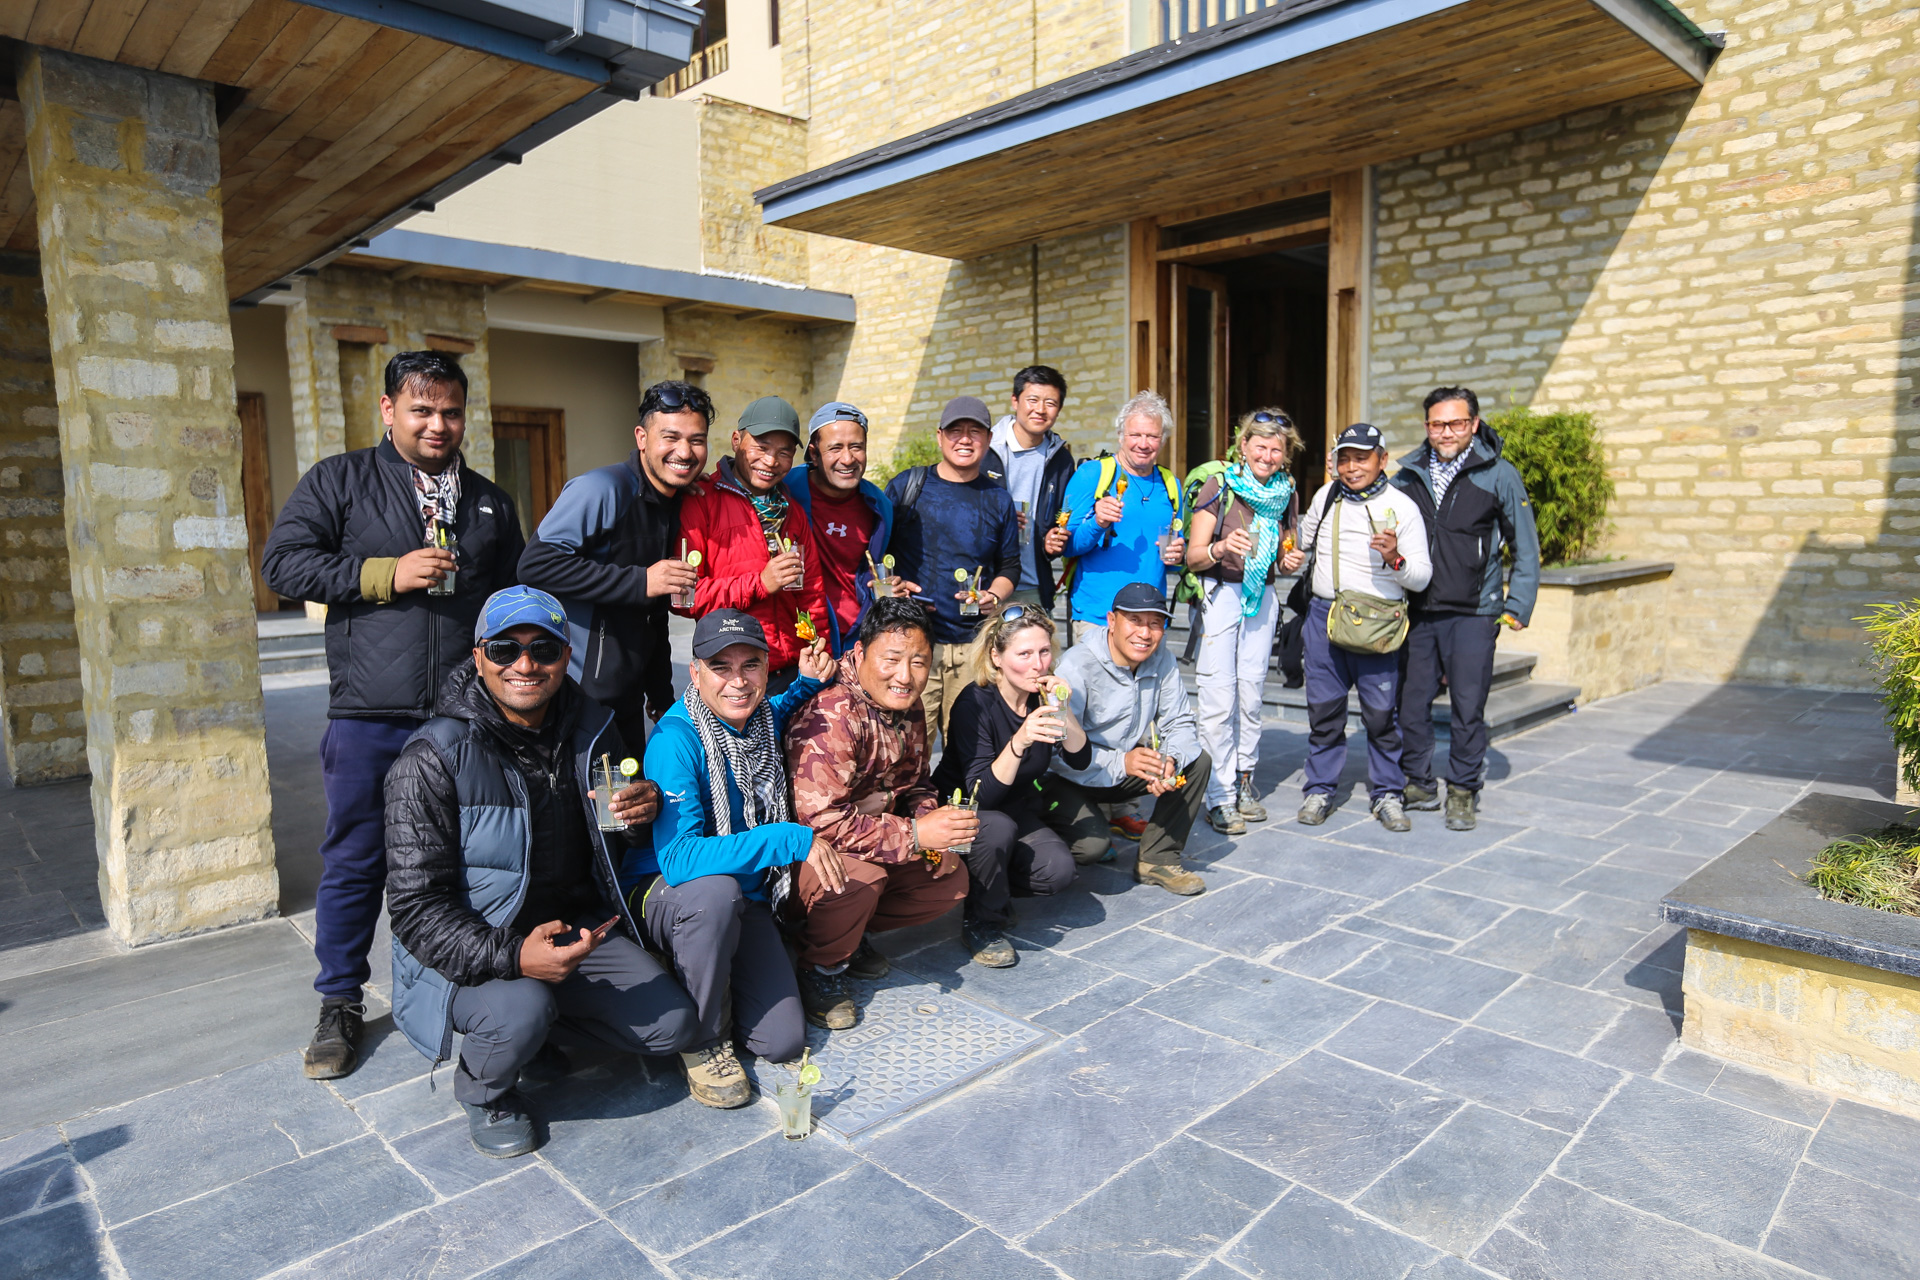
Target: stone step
x,y
310,657
291,642
1511,709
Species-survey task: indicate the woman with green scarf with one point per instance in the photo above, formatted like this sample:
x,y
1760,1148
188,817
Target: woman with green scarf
x,y
1242,525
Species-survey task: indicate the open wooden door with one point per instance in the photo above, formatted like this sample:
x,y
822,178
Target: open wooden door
x,y
1197,325
530,459
256,486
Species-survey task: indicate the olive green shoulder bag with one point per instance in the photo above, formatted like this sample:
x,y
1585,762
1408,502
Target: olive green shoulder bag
x,y
1360,622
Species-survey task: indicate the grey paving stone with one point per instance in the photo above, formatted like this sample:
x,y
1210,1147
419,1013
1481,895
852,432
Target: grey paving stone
x,y
1445,984
1583,851
1604,909
1454,1188
1639,1040
1309,1237
980,1255
1325,953
1839,1226
1546,813
1430,838
1752,792
65,1242
1147,954
1692,1071
1661,862
443,1154
1279,1012
1757,1091
1702,1163
868,1224
1328,1123
291,1212
1585,790
1160,1217
1513,890
386,1059
595,1250
1665,947
236,1124
1563,948
31,1147
675,1216
1121,1088
1431,910
1542,1085
31,1188
493,1224
1871,1144
1394,933
1043,978
1549,1013
1091,1005
1626,882
406,1107
1390,1036
1342,868
1562,1232
1104,899
1658,832
1645,982
1254,916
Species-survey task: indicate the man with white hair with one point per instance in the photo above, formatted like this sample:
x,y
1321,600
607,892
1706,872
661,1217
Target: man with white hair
x,y
1126,514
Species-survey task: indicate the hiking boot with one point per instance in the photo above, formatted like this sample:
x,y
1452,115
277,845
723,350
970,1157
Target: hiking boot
x,y
988,946
1424,797
502,1128
335,1050
1227,822
1170,876
547,1066
1314,809
1461,804
1392,814
715,1078
827,999
1248,801
867,964
1128,825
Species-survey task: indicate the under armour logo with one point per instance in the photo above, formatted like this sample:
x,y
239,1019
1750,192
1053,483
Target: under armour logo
x,y
836,530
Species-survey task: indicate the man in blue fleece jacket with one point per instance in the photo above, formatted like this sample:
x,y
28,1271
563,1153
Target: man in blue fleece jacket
x,y
723,850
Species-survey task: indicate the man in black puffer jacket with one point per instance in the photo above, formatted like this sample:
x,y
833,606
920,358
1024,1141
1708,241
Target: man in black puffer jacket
x,y
506,919
355,537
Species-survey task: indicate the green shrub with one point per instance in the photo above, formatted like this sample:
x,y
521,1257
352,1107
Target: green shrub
x,y
1877,870
914,451
1895,631
1565,469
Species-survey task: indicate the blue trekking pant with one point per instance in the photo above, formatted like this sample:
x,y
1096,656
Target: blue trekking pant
x,y
1331,671
1459,646
355,755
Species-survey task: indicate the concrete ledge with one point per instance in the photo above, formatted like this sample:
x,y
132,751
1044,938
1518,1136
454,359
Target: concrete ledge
x,y
1599,627
1591,575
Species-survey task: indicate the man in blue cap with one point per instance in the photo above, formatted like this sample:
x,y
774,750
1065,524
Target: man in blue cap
x,y
501,881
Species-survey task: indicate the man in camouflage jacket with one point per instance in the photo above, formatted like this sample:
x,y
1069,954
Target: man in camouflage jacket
x,y
858,757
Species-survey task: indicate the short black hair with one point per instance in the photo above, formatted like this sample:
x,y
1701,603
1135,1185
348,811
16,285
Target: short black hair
x,y
673,396
894,613
1045,375
1440,394
436,367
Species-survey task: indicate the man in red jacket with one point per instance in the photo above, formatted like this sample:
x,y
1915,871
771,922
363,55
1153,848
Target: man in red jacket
x,y
757,552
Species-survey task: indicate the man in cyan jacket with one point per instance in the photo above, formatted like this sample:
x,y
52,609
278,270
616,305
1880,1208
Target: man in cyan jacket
x,y
365,533
505,906
1474,503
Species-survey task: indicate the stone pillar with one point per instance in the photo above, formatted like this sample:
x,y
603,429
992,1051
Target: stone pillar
x,y
41,718
126,169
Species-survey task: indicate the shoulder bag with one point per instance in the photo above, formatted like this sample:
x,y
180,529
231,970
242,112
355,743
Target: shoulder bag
x,y
1360,622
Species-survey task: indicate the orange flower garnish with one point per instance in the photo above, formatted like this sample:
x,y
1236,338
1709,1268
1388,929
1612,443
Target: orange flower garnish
x,y
803,626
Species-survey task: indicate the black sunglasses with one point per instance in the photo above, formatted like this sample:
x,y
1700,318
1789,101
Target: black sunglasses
x,y
666,398
504,653
1264,417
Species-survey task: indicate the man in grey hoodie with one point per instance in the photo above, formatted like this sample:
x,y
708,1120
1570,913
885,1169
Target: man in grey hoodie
x,y
1126,692
1030,458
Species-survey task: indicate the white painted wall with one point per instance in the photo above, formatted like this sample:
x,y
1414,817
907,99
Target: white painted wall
x,y
753,66
597,383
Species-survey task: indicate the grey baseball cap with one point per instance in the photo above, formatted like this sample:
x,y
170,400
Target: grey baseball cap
x,y
965,409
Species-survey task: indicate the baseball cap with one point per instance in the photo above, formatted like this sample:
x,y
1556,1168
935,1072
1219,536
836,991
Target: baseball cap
x,y
723,627
835,411
1141,597
521,607
965,409
769,414
1361,435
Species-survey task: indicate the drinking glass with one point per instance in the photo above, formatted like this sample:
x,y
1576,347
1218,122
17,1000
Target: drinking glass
x,y
799,553
606,781
796,1108
1026,522
972,806
444,538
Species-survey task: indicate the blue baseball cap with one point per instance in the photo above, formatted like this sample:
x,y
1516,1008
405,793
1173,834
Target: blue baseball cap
x,y
834,411
521,607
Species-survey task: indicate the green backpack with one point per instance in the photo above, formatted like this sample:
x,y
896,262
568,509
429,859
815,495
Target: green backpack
x,y
1190,588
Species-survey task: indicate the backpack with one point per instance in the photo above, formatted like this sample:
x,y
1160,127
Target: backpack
x,y
1109,469
1190,588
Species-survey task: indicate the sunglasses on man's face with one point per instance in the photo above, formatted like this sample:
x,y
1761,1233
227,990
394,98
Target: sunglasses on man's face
x,y
504,653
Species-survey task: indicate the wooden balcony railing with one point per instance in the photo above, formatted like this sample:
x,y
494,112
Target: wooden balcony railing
x,y
1177,19
705,64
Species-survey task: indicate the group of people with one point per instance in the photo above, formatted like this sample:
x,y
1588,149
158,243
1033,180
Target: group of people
x,y
568,850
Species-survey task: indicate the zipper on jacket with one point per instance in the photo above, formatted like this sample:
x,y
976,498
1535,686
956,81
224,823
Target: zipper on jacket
x,y
599,642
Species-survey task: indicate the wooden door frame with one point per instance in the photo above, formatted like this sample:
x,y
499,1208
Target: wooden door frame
x,y
1181,278
552,424
256,489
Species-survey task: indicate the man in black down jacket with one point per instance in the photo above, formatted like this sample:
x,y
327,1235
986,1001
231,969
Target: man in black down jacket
x,y
506,919
354,536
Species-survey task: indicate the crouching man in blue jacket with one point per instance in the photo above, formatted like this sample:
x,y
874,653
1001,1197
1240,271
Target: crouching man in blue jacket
x,y
724,849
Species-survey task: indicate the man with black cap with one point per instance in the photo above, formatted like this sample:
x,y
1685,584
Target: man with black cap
x,y
723,853
1369,548
852,521
500,875
956,534
1127,694
757,554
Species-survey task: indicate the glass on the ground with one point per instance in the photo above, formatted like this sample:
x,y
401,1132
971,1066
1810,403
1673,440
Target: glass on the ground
x,y
796,1108
444,538
606,781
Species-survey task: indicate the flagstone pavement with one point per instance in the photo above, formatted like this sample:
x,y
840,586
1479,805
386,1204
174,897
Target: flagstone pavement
x,y
1358,1055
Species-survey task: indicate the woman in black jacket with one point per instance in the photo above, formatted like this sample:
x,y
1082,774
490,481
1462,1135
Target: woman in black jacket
x,y
1000,739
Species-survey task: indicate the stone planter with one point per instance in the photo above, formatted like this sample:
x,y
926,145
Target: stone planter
x,y
1602,627
1777,977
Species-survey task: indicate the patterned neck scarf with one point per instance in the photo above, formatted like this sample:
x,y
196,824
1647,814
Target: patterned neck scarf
x,y
438,496
1362,495
753,758
770,507
1268,500
1443,473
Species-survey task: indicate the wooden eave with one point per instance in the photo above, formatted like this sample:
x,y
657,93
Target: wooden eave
x,y
1305,90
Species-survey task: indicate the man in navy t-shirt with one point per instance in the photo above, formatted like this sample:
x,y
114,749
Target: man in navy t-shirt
x,y
957,536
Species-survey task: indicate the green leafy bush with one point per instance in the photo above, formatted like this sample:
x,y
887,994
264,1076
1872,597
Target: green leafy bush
x,y
1895,631
1565,469
1877,870
914,451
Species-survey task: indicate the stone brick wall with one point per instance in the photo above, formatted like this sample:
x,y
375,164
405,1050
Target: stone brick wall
x,y
741,150
1725,280
750,359
45,726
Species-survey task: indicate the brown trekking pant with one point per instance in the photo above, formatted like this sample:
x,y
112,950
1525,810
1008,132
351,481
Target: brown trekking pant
x,y
878,897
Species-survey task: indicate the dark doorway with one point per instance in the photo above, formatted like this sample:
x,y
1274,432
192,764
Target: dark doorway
x,y
1278,304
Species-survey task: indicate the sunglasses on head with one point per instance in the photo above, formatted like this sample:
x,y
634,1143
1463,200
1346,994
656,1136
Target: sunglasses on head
x,y
504,653
1014,612
667,399
1264,417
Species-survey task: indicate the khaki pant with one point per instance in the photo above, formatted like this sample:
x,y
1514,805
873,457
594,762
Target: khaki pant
x,y
947,676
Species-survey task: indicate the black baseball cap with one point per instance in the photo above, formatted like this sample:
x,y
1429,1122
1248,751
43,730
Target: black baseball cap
x,y
1361,435
965,409
724,627
1141,597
